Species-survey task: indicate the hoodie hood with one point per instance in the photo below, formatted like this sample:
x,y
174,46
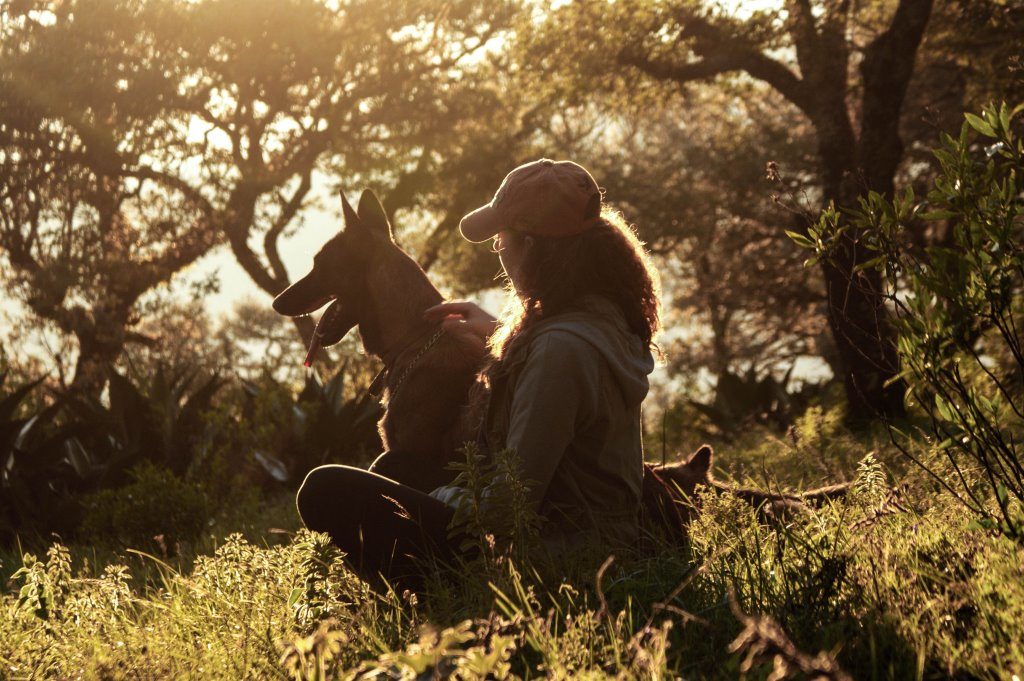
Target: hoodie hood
x,y
600,322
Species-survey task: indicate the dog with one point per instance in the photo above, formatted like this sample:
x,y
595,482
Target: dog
x,y
369,282
687,477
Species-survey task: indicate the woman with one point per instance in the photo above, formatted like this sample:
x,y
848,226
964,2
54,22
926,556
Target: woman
x,y
564,390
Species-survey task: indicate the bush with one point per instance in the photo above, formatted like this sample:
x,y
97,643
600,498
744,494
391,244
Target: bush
x,y
156,510
233,440
958,309
55,451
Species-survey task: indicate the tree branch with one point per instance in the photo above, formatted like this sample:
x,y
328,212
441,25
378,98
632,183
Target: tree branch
x,y
408,187
721,53
186,249
288,212
237,222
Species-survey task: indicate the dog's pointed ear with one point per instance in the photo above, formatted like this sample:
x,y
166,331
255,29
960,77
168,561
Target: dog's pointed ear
x,y
351,218
686,476
372,214
700,461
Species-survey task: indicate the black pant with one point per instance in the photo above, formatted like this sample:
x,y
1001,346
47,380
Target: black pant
x,y
386,528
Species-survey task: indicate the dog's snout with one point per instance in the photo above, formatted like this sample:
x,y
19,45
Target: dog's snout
x,y
301,298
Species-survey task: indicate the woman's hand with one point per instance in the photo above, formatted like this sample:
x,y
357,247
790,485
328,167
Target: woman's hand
x,y
463,317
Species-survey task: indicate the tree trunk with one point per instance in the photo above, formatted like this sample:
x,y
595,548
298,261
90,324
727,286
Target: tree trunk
x,y
859,319
101,341
90,373
856,311
863,336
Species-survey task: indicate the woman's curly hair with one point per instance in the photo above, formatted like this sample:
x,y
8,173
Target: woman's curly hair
x,y
555,273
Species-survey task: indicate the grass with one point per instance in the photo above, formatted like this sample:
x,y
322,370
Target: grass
x,y
891,583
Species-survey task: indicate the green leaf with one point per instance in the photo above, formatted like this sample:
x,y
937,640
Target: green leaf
x,y
980,125
938,215
800,239
873,263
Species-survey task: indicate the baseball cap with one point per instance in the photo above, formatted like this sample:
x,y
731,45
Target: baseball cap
x,y
544,198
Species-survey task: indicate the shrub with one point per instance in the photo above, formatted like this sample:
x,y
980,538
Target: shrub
x,y
493,512
53,452
958,307
158,418
41,464
157,509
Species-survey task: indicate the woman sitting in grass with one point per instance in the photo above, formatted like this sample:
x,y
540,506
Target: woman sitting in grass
x,y
564,390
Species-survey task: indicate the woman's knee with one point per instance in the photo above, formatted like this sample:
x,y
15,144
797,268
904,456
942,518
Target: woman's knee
x,y
320,494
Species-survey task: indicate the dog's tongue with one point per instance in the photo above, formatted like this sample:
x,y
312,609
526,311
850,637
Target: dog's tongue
x,y
323,328
314,347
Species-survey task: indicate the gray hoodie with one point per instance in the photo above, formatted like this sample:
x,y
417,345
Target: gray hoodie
x,y
571,410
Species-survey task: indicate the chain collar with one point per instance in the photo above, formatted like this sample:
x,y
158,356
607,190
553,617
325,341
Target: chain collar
x,y
424,349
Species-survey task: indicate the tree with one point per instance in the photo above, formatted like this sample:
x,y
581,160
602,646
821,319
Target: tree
x,y
307,96
970,57
138,135
844,69
684,172
97,204
958,309
501,126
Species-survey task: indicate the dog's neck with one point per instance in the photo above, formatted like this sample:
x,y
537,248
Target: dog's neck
x,y
416,338
394,317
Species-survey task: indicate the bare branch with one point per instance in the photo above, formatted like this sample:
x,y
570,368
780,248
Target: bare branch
x,y
721,53
287,214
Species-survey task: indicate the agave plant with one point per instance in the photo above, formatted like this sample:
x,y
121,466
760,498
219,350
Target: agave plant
x,y
42,465
161,422
321,425
78,445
